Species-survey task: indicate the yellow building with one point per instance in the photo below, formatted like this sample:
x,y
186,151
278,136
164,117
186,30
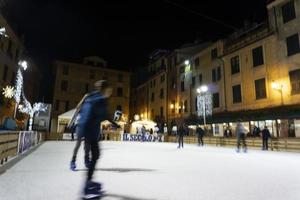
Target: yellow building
x,y
73,80
157,87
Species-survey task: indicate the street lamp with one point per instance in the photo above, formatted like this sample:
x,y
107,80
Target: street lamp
x,y
278,87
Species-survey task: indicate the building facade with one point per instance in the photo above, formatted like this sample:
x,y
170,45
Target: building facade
x,y
74,80
252,75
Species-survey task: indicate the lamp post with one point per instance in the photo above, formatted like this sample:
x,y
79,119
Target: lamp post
x,y
202,90
278,87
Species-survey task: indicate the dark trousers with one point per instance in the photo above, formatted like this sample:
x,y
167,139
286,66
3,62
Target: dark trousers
x,y
241,138
200,140
86,150
180,141
265,144
94,148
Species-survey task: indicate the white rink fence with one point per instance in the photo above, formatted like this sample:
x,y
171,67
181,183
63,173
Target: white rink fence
x,y
15,143
155,171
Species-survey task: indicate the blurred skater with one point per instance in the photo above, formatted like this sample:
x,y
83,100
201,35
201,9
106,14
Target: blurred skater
x,y
241,136
200,134
265,137
180,134
94,110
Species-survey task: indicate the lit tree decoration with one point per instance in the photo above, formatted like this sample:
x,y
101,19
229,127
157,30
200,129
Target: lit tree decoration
x,y
31,111
8,92
19,86
204,100
26,108
3,32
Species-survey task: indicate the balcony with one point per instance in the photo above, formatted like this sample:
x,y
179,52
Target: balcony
x,y
241,39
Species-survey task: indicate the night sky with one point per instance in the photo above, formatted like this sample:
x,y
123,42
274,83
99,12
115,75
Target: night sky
x,y
122,32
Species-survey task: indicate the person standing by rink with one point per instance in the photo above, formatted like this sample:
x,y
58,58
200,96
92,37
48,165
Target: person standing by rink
x,y
265,137
241,136
180,134
94,110
200,134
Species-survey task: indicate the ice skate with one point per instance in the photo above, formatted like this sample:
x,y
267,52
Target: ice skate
x,y
87,164
73,166
93,190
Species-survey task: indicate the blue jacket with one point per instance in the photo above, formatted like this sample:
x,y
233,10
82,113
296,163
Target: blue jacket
x,y
92,113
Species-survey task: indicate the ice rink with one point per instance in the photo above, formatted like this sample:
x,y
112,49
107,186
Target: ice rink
x,y
156,171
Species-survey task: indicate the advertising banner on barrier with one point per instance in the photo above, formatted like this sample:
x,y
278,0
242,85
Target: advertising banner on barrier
x,y
142,138
27,139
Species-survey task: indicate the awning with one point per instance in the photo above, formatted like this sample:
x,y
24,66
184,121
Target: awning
x,y
282,112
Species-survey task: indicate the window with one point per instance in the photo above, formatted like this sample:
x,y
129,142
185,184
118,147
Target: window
x,y
193,81
161,112
162,78
292,44
119,92
258,57
260,88
65,70
92,74
67,106
17,54
86,88
57,105
181,107
5,73
150,84
119,107
197,62
173,106
120,77
236,94
214,75
182,69
288,12
161,93
154,82
200,79
216,100
152,96
182,86
235,65
13,76
185,106
214,53
173,84
219,73
196,103
295,81
64,85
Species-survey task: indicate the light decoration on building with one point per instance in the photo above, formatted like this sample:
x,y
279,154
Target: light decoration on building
x,y
19,86
204,99
3,32
8,92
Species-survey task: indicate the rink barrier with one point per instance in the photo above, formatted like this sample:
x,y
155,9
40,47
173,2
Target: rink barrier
x,y
15,143
275,144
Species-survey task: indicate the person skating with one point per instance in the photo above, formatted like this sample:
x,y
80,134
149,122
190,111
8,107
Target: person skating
x,y
180,133
265,137
241,136
94,110
73,124
200,134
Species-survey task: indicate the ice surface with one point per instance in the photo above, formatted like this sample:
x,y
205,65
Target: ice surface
x,y
156,171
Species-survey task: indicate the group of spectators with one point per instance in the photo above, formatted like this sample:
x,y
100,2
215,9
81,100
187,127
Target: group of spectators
x,y
241,133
